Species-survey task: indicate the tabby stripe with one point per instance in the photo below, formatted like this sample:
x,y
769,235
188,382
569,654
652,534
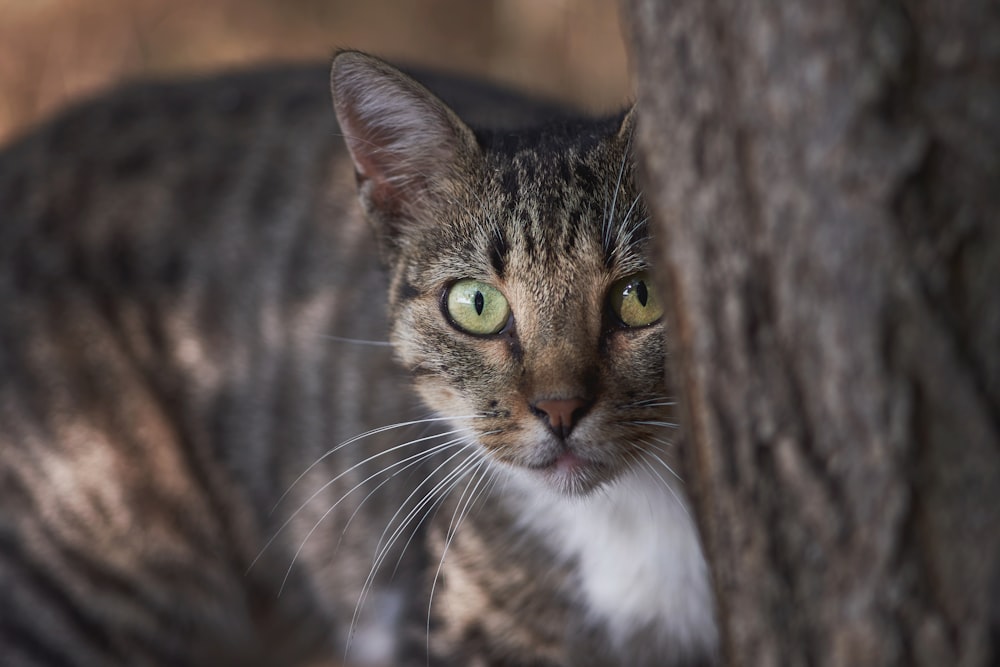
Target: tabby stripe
x,y
57,601
29,649
406,292
139,614
510,185
527,232
499,250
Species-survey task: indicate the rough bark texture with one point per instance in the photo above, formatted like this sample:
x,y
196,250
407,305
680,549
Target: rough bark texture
x,y
826,181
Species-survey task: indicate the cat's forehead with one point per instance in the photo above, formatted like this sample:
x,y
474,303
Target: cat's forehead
x,y
571,204
562,155
556,207
555,178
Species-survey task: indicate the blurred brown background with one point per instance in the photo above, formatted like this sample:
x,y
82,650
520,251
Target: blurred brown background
x,y
52,51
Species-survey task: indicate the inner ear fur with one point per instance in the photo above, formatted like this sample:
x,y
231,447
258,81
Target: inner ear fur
x,y
403,140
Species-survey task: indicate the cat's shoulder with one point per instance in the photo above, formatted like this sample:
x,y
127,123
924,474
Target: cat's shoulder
x,y
159,108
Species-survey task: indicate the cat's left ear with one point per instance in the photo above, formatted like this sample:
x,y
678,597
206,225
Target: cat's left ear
x,y
406,144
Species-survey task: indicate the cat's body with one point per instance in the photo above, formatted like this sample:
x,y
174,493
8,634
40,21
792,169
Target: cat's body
x,y
184,271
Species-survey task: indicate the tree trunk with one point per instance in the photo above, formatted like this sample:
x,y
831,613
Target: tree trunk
x,y
825,179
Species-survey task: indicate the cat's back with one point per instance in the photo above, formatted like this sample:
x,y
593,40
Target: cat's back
x,y
159,155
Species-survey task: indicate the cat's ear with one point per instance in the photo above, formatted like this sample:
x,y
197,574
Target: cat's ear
x,y
404,141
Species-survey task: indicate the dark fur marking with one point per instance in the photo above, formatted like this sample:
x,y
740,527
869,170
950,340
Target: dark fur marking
x,y
173,270
510,184
121,259
237,104
529,171
585,175
132,164
41,582
30,638
14,194
565,173
572,232
178,108
125,114
514,345
270,192
499,250
526,234
299,104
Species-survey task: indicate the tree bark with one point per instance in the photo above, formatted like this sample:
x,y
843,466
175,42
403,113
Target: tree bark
x,y
825,180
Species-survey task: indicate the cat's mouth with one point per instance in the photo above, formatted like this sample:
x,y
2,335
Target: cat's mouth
x,y
569,472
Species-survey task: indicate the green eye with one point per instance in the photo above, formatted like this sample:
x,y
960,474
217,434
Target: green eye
x,y
635,301
476,307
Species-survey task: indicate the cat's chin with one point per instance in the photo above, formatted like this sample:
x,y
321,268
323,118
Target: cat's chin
x,y
570,474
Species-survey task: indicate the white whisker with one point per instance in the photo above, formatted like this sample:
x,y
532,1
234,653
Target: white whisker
x,y
628,213
669,488
419,458
655,401
302,544
330,482
387,539
356,341
609,213
410,462
654,422
419,523
664,464
384,545
362,436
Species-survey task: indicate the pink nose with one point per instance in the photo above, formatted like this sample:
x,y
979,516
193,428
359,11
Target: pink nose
x,y
562,413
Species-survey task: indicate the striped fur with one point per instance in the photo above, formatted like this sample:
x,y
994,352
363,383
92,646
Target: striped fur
x,y
191,302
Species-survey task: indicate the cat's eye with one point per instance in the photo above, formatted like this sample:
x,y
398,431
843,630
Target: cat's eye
x,y
476,307
634,300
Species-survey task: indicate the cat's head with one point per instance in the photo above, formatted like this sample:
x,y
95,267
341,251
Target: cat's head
x,y
520,295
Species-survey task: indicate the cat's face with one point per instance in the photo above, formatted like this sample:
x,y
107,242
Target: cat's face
x,y
520,296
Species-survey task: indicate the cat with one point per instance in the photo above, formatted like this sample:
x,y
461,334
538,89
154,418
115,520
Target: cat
x,y
276,390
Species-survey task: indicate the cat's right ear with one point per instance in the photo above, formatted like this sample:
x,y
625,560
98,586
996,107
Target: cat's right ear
x,y
406,144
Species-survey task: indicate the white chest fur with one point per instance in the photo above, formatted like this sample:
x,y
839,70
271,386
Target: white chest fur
x,y
638,558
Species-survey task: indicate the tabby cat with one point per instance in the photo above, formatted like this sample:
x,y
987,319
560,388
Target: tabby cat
x,y
207,453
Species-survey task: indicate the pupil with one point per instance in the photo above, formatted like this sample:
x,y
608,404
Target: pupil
x,y
642,293
479,302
